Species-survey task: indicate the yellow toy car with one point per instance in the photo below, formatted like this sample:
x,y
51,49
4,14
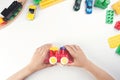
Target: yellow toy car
x,y
31,12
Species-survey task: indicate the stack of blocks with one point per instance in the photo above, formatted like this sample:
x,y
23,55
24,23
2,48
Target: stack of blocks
x,y
109,16
61,56
116,7
101,3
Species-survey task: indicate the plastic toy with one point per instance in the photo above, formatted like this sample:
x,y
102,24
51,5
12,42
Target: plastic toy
x,y
61,56
89,4
46,3
118,50
102,3
114,41
77,5
117,25
116,7
109,16
31,12
10,12
2,21
36,2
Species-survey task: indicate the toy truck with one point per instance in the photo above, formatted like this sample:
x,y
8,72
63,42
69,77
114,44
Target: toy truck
x,y
12,11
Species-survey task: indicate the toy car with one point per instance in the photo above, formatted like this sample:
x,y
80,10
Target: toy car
x,y
12,11
61,56
89,4
31,12
77,4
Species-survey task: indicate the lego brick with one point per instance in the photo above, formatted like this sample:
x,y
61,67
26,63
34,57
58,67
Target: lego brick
x,y
116,7
77,5
114,41
1,20
118,50
103,4
46,3
36,2
109,16
117,25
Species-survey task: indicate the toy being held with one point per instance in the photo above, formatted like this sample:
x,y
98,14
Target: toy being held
x,y
61,56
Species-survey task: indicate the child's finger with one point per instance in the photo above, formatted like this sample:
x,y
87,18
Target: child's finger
x,y
70,50
70,64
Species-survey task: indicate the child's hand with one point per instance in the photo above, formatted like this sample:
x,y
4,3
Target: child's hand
x,y
80,60
38,58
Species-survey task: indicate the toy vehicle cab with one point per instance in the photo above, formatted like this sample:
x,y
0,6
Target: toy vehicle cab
x,y
31,12
89,4
77,4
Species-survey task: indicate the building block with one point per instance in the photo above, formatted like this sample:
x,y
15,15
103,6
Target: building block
x,y
114,41
10,12
116,7
77,5
89,4
109,16
103,4
117,25
46,3
36,2
118,50
58,56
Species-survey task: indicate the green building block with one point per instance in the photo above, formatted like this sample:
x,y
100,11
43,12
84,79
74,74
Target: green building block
x,y
101,3
36,2
118,50
109,16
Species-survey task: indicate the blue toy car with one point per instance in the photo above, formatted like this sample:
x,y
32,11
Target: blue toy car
x,y
89,4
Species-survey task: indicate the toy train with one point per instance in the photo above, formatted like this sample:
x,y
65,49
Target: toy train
x,y
61,56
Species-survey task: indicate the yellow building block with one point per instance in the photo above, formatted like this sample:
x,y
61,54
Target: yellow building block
x,y
114,41
54,48
116,7
1,20
46,3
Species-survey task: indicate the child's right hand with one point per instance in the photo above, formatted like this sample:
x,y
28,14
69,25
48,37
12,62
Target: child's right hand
x,y
80,60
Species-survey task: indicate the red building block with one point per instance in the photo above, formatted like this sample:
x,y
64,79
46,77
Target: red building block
x,y
117,25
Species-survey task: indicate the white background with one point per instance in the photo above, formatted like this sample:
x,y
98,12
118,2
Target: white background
x,y
59,25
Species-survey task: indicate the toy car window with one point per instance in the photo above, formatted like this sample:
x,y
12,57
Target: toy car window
x,y
31,11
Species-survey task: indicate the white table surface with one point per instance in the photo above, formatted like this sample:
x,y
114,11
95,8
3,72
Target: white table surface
x,y
59,25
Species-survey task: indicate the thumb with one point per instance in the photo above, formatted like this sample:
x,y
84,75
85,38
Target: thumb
x,y
49,65
70,64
